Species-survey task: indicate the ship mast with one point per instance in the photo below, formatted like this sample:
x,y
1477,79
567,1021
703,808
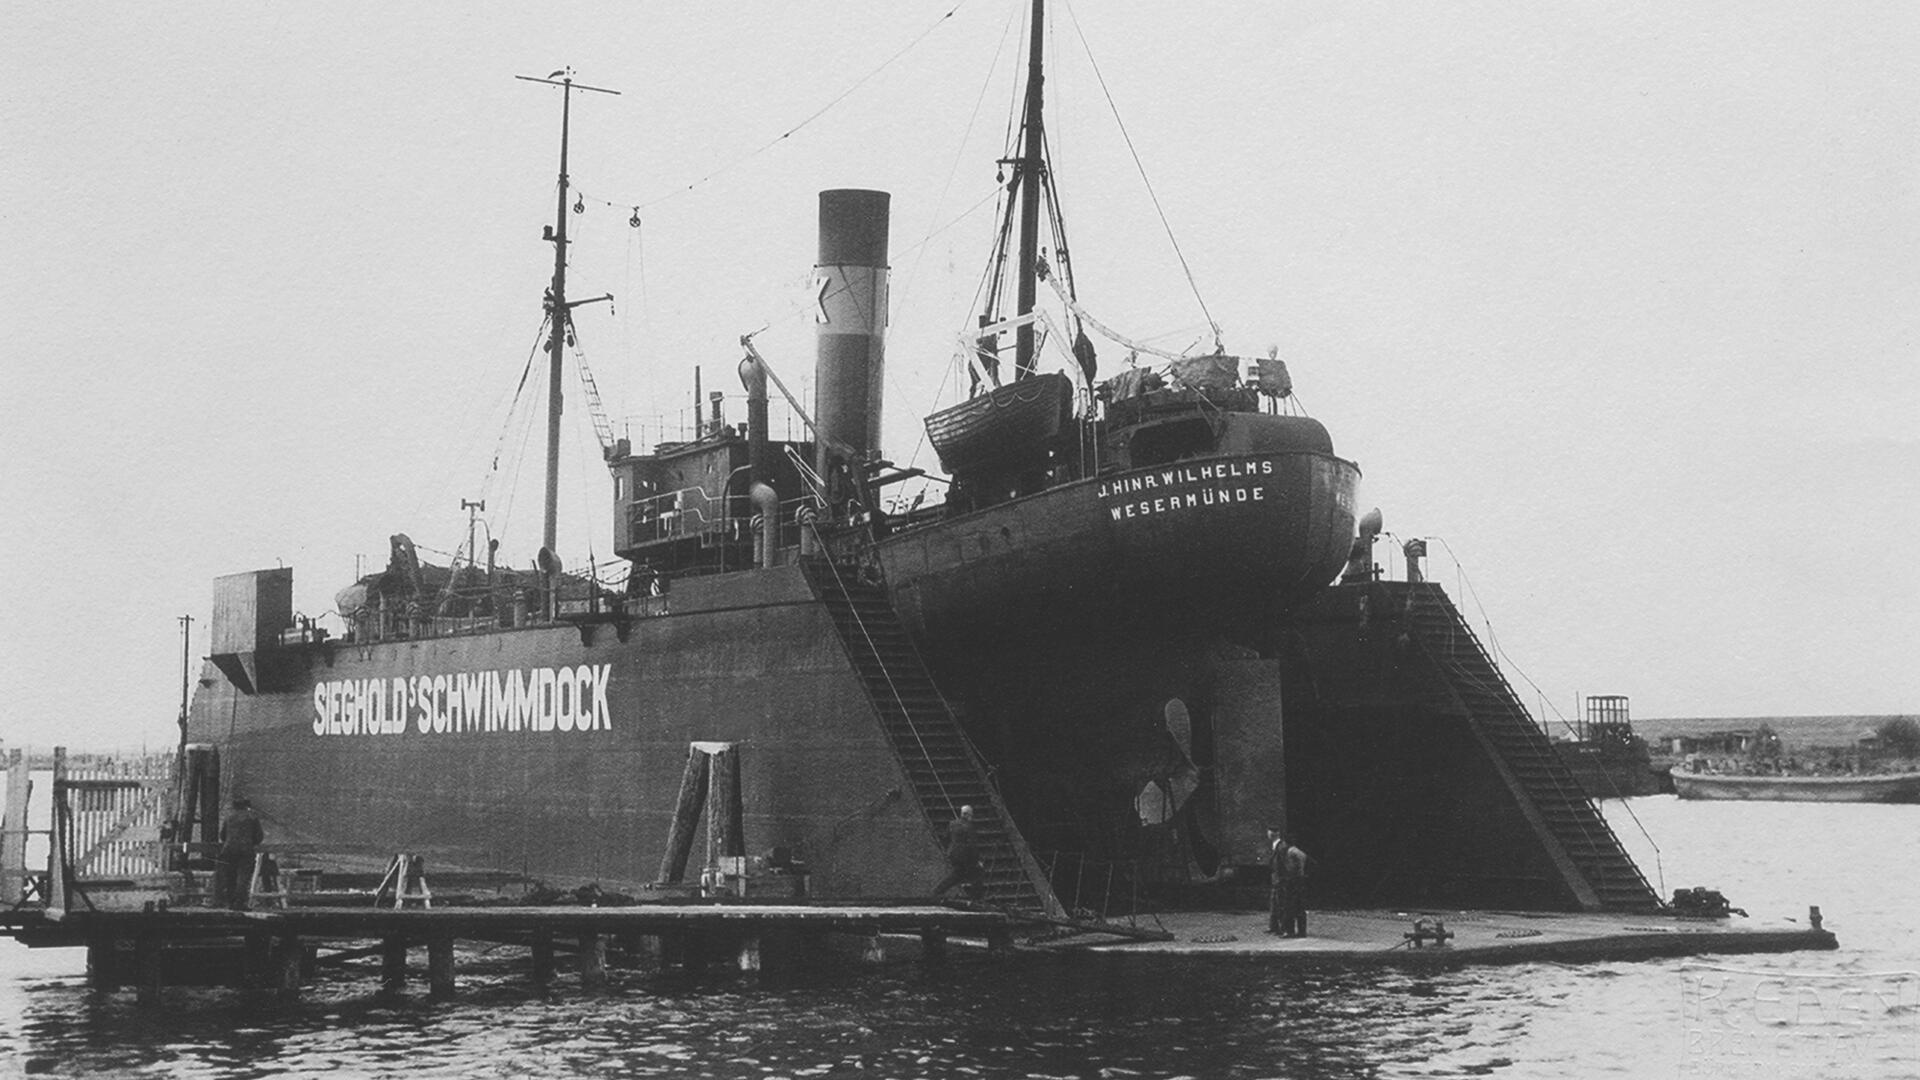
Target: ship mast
x,y
557,307
1027,169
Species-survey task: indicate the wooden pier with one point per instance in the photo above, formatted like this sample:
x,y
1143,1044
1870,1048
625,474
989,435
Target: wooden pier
x,y
281,950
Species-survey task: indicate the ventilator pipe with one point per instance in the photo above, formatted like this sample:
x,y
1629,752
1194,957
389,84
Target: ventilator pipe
x,y
754,377
766,504
1360,556
1416,550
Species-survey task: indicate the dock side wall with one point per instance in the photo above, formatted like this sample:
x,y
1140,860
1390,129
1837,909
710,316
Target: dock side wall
x,y
751,659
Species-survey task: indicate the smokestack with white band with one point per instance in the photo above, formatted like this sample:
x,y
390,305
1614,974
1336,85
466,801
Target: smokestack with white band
x,y
850,352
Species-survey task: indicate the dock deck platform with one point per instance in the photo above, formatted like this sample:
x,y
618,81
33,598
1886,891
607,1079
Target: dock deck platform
x,y
1479,937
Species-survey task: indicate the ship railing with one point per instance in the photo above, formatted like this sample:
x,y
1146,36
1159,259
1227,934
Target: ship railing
x,y
695,512
692,423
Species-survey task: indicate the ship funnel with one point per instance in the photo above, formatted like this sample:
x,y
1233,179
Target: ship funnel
x,y
850,350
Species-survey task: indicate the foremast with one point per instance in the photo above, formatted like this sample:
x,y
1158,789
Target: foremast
x,y
558,312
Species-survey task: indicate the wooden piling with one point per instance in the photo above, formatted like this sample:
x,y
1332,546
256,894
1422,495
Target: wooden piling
x,y
726,833
103,962
749,954
393,964
933,943
440,966
593,960
542,957
146,949
286,964
686,816
874,950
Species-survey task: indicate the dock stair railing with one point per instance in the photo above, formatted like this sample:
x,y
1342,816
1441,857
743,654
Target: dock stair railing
x,y
1597,869
941,764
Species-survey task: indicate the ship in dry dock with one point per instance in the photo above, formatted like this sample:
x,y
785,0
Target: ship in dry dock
x,y
1118,635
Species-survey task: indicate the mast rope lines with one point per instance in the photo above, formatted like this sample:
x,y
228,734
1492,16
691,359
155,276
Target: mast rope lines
x,y
1142,168
636,207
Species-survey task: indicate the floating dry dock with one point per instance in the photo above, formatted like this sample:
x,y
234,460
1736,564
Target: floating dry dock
x,y
282,949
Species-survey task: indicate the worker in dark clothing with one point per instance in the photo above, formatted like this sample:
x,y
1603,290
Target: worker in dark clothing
x,y
240,836
1275,858
963,858
1290,874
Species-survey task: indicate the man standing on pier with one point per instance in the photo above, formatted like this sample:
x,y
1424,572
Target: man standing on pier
x,y
963,858
1290,866
240,836
1286,897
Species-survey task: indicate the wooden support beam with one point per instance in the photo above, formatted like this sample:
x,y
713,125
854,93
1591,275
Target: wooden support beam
x,y
57,867
542,946
686,817
393,964
440,966
726,834
593,960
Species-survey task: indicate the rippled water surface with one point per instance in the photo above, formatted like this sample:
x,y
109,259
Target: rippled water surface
x,y
1818,1014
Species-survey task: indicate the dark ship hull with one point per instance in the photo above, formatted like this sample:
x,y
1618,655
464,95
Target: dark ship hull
x,y
1217,543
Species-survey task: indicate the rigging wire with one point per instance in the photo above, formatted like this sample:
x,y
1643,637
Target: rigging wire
x,y
1151,194
783,136
919,249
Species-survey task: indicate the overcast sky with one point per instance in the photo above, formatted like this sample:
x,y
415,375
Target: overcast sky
x,y
1618,304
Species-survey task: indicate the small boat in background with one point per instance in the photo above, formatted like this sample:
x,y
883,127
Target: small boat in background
x,y
1883,787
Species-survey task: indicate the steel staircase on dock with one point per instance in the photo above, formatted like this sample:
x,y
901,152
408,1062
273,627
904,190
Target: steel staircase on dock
x,y
920,725
1524,754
